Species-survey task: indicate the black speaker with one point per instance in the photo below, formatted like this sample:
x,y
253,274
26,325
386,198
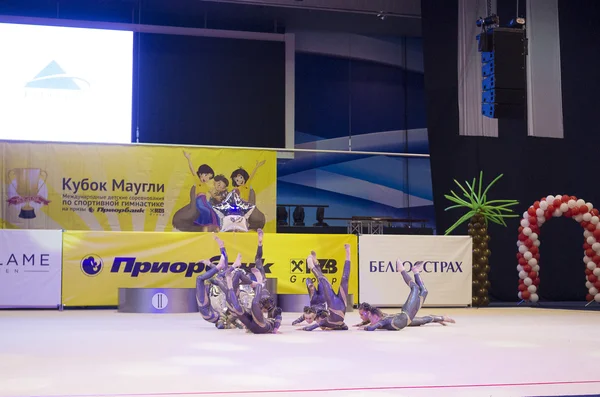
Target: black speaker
x,y
514,97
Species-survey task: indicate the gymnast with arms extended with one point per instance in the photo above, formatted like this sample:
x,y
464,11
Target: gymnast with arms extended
x,y
407,317
330,318
256,320
365,309
317,302
203,281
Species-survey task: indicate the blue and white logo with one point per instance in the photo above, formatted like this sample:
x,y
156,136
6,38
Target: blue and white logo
x,y
92,265
53,77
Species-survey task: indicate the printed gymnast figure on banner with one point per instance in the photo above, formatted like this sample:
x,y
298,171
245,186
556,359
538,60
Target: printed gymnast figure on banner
x,y
198,215
242,183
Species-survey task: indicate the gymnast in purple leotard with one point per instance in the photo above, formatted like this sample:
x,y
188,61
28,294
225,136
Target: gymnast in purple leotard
x,y
407,317
331,317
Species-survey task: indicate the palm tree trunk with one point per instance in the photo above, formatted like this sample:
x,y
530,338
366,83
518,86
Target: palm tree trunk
x,y
481,253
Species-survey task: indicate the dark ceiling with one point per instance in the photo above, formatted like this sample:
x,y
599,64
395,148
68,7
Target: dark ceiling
x,y
373,17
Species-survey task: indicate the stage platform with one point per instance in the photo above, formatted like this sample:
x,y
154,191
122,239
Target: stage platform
x,y
488,352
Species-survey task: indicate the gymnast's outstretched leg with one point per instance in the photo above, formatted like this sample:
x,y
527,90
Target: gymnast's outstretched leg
x,y
413,302
324,284
201,288
258,259
343,290
418,321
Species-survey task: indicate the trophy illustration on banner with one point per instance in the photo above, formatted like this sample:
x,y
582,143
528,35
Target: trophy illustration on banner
x,y
25,187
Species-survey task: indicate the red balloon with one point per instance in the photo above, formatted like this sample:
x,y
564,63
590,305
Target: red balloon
x,y
519,255
591,227
522,287
525,295
532,220
575,211
528,242
548,214
565,199
536,282
557,203
595,212
573,198
587,272
568,214
527,268
596,232
589,252
521,229
592,278
521,281
531,211
522,237
586,246
597,285
532,275
523,262
535,228
534,250
583,209
537,257
589,298
584,224
596,259
551,208
536,205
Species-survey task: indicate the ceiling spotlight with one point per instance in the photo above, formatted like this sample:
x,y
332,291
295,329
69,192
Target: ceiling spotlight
x,y
382,15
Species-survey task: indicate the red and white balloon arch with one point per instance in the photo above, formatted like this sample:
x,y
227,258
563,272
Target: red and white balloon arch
x,y
528,243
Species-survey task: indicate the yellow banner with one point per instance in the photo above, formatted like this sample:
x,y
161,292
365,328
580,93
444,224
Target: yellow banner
x,y
131,187
97,264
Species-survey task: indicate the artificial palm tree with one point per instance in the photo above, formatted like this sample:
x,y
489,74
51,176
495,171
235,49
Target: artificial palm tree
x,y
480,212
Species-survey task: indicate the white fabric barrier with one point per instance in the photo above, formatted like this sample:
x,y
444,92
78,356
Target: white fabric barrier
x,y
30,268
447,270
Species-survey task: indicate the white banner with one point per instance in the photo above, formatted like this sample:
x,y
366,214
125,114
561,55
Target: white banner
x,y
30,268
447,272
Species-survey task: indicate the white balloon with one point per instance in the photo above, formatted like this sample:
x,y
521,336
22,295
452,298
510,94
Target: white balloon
x,y
534,298
519,295
528,281
524,223
578,218
586,259
541,220
527,231
532,262
550,198
564,207
597,298
527,255
588,285
591,240
519,268
557,213
587,217
597,272
595,220
558,197
580,202
571,203
591,265
536,243
536,269
587,234
544,205
526,214
523,274
519,243
532,288
539,212
593,291
590,206
533,236
596,246
523,249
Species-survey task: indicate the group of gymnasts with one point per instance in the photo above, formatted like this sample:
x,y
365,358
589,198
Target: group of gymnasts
x,y
327,309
